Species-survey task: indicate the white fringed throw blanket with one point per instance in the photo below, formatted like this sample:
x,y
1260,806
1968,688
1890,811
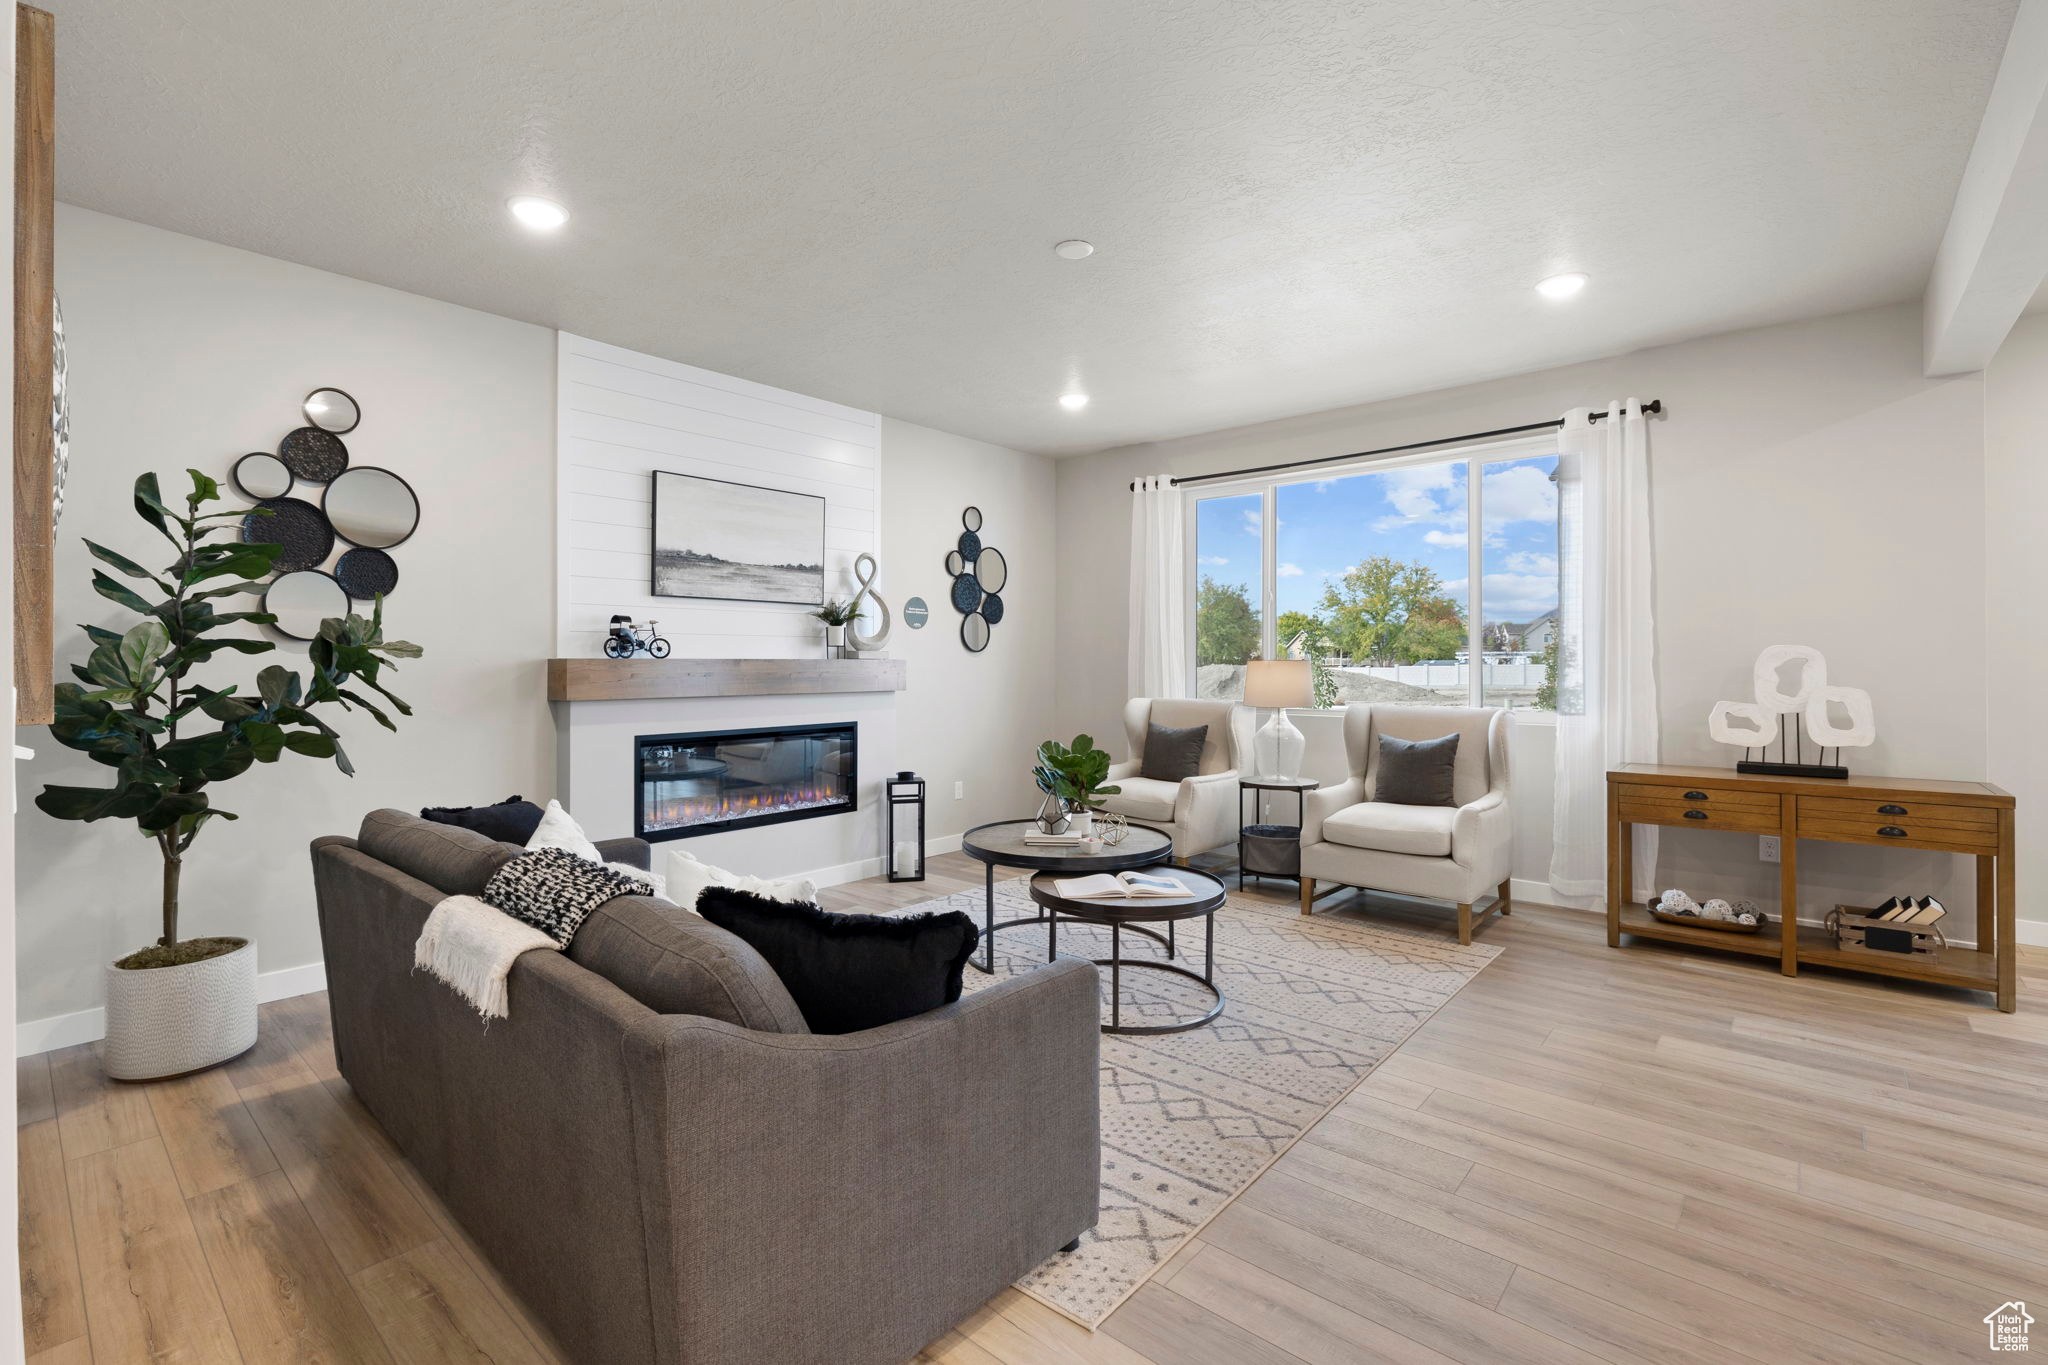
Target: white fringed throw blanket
x,y
472,945
537,900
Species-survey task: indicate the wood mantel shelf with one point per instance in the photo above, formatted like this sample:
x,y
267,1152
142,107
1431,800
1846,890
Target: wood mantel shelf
x,y
642,679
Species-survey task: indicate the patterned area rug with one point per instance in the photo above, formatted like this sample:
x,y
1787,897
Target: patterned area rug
x,y
1188,1119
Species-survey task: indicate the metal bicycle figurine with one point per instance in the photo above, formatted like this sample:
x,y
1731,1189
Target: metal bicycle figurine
x,y
628,637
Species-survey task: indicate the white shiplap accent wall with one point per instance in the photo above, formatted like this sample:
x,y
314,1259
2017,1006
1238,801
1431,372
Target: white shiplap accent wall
x,y
621,415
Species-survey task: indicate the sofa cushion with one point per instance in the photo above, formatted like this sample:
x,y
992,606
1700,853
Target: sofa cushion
x,y
1390,828
1144,798
673,962
1416,772
851,972
1172,755
511,821
452,860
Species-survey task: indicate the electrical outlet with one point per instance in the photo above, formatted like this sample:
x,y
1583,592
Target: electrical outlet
x,y
959,791
1767,847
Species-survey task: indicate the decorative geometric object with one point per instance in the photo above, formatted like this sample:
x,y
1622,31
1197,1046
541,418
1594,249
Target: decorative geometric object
x,y
1861,727
371,507
365,573
1111,827
980,573
298,526
312,454
1807,703
737,542
869,602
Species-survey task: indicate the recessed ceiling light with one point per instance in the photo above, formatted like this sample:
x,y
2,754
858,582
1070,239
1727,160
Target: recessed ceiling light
x,y
1073,402
1074,249
542,215
1561,286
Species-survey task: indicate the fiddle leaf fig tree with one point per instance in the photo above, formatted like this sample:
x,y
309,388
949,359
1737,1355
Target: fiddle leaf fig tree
x,y
137,709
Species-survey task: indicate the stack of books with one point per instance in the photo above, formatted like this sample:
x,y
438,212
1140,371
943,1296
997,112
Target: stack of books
x,y
1902,924
1036,836
1900,911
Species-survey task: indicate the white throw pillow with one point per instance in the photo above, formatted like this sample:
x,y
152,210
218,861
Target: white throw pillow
x,y
558,829
688,876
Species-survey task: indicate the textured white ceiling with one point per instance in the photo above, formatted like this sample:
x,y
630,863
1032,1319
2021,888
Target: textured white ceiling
x,y
1296,205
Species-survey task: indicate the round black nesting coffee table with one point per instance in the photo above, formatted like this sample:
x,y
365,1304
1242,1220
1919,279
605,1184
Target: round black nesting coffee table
x,y
1204,898
1001,844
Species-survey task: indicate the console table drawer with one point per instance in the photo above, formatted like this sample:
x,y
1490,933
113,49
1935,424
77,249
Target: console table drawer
x,y
1897,812
1699,796
1902,830
1696,815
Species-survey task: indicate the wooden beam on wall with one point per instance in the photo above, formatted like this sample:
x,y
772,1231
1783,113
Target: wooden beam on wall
x,y
1995,252
35,224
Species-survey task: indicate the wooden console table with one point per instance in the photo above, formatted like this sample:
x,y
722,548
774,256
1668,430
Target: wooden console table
x,y
1973,818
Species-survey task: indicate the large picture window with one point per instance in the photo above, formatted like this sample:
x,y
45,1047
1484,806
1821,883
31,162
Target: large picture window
x,y
1424,582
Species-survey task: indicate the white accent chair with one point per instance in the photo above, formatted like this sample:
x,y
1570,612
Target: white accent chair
x,y
1200,812
1450,853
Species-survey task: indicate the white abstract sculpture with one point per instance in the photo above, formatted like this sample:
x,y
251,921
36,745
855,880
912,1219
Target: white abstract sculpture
x,y
1753,725
867,641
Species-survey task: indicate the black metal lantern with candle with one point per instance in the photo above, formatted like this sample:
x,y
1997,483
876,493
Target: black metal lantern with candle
x,y
904,793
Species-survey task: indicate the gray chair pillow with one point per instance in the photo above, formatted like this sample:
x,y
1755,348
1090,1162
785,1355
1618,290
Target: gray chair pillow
x,y
1173,755
1416,772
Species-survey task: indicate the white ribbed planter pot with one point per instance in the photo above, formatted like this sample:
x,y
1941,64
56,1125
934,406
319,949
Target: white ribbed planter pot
x,y
166,1021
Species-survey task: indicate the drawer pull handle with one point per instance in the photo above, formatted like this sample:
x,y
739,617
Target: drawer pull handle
x,y
1891,831
1701,815
1891,810
1695,796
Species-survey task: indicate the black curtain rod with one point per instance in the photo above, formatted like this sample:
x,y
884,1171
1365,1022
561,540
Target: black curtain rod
x,y
1650,409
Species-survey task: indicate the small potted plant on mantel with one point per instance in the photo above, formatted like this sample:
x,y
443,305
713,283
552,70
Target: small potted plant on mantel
x,y
185,1004
837,616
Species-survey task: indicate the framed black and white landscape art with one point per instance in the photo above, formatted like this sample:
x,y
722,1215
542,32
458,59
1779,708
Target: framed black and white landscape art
x,y
736,542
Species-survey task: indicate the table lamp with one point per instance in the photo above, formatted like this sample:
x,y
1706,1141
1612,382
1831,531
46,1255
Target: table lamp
x,y
1279,684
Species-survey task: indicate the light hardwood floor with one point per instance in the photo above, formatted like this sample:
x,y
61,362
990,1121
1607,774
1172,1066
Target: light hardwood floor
x,y
1589,1155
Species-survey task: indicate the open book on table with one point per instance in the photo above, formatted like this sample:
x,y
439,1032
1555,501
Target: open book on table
x,y
1104,886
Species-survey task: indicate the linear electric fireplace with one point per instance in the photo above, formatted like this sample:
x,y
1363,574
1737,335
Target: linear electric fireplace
x,y
729,779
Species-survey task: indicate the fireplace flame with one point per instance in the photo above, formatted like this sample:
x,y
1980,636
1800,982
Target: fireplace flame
x,y
684,811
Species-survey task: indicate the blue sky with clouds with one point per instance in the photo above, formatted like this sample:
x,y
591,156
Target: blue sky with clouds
x,y
1417,513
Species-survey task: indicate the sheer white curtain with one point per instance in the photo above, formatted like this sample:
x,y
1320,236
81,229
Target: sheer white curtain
x,y
1607,683
1158,664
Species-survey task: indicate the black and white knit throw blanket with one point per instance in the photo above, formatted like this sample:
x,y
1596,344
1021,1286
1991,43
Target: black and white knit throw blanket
x,y
554,890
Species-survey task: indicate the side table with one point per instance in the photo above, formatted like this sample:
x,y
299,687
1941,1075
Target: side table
x,y
1271,850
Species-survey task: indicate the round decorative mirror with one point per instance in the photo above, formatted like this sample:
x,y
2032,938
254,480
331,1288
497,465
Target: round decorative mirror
x,y
332,410
974,632
295,524
364,574
372,507
966,593
260,475
970,546
955,564
302,600
991,570
971,518
312,454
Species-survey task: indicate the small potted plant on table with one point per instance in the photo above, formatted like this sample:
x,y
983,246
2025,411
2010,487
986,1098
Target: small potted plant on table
x,y
1071,777
185,1004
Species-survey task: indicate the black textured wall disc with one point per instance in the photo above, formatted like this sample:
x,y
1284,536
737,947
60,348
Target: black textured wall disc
x,y
298,526
966,593
313,454
970,546
364,574
992,607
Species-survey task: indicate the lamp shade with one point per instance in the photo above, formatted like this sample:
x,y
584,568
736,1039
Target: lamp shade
x,y
1278,682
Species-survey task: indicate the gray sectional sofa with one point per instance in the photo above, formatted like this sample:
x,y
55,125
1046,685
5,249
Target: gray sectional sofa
x,y
661,1160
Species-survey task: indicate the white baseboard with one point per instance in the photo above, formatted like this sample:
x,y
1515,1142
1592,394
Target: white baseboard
x,y
89,1026
875,867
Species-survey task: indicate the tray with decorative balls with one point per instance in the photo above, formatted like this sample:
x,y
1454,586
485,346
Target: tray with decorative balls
x,y
1738,917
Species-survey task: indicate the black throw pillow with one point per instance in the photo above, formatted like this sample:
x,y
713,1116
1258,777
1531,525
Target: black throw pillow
x,y
849,972
1173,755
1416,772
511,821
